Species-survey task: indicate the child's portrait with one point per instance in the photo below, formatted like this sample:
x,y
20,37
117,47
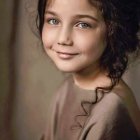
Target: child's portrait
x,y
91,40
91,44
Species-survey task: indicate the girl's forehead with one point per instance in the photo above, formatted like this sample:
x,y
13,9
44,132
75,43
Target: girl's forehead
x,y
49,3
94,3
72,7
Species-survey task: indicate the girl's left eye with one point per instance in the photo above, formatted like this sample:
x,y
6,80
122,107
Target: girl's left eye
x,y
53,21
83,25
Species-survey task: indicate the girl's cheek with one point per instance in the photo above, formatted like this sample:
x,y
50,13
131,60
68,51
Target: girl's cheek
x,y
84,40
48,37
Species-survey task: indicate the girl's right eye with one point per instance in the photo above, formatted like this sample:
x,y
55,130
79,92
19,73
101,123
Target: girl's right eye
x,y
52,21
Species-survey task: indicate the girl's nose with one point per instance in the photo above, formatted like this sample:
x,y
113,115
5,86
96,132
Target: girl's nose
x,y
65,37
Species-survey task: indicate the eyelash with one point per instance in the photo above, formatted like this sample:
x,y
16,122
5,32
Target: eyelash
x,y
52,19
84,24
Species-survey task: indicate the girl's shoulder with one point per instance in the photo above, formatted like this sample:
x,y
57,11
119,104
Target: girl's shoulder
x,y
111,116
127,97
125,93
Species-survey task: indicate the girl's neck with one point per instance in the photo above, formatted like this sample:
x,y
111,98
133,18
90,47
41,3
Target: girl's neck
x,y
91,81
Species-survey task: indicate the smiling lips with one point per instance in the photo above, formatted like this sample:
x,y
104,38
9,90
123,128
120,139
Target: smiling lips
x,y
66,55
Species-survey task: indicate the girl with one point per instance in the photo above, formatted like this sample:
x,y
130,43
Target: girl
x,y
92,40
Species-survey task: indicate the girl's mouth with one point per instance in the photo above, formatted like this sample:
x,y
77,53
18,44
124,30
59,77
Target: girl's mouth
x,y
66,55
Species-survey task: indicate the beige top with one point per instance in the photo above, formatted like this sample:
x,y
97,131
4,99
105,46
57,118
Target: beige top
x,y
75,115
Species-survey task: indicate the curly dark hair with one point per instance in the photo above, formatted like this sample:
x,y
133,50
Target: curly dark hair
x,y
122,18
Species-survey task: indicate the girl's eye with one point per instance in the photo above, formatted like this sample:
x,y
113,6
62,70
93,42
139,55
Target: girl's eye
x,y
83,25
53,21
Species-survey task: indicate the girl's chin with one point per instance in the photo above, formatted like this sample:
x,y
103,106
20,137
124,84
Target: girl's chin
x,y
68,69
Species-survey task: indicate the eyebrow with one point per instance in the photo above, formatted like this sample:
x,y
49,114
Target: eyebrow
x,y
76,16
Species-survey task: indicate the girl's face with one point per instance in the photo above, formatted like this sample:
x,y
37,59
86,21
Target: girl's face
x,y
74,35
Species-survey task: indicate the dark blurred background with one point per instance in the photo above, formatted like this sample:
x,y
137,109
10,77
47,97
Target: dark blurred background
x,y
27,78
